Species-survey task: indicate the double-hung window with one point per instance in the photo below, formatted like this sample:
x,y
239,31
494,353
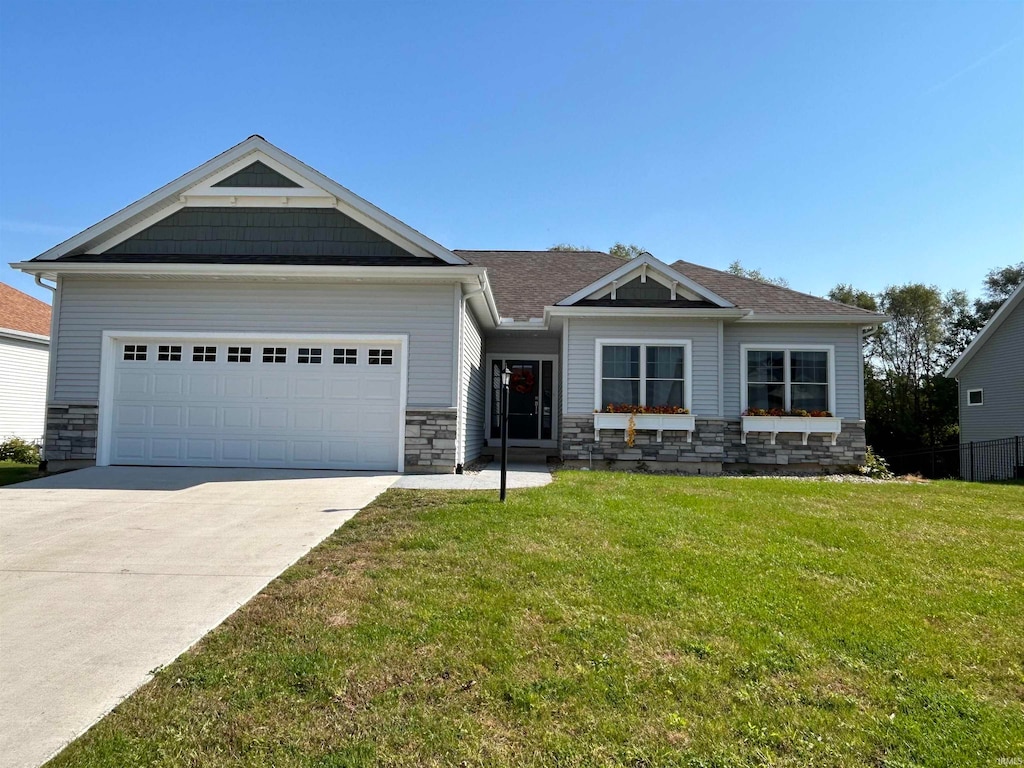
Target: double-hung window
x,y
788,379
642,374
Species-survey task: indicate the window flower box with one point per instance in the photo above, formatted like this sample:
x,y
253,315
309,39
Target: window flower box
x,y
647,422
802,425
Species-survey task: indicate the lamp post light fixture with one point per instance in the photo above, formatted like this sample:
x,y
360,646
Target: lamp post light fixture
x,y
506,378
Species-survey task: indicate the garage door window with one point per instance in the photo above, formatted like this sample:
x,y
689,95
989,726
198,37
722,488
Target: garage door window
x,y
345,356
310,355
204,354
135,352
239,354
168,353
274,354
381,357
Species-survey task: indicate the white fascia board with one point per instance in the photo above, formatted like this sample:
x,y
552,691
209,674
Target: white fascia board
x,y
295,271
721,313
170,194
990,327
637,265
11,333
863,320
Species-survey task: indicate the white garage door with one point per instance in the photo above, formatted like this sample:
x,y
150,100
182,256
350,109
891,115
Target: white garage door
x,y
306,403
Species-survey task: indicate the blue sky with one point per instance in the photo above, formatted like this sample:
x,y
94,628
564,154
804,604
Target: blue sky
x,y
826,142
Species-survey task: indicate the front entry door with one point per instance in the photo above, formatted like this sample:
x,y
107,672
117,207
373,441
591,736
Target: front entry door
x,y
529,399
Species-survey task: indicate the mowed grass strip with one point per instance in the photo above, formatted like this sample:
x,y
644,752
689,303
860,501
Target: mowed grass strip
x,y
617,619
14,472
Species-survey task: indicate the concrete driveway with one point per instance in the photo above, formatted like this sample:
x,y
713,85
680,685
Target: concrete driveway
x,y
110,572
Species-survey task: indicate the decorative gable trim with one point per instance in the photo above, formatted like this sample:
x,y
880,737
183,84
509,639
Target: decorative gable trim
x,y
646,267
197,188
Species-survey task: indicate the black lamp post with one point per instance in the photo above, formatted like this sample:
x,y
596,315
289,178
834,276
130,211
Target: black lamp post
x,y
506,377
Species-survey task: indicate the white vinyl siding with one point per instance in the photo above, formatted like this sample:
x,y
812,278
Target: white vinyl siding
x,y
472,419
90,306
998,369
23,367
580,357
844,339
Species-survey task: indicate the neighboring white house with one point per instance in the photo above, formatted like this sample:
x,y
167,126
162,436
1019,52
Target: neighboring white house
x,y
253,312
24,357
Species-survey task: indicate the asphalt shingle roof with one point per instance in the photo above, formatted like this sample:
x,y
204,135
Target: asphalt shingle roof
x,y
21,312
524,282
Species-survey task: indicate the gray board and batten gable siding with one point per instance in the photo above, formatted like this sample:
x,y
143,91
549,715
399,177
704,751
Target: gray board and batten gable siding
x,y
89,306
258,175
286,233
998,369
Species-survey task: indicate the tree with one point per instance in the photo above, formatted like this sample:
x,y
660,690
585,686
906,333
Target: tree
x,y
567,247
626,252
847,294
999,284
755,274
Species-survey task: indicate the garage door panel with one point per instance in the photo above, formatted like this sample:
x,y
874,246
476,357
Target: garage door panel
x,y
213,410
131,416
167,416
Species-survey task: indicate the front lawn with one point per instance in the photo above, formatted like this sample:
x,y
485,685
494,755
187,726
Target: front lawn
x,y
12,472
617,619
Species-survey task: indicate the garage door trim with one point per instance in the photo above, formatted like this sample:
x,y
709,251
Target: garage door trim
x,y
112,340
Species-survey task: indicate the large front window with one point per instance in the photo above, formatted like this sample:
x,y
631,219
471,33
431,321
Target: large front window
x,y
650,375
787,379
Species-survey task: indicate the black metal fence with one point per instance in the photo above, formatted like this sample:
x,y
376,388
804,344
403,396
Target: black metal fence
x,y
978,460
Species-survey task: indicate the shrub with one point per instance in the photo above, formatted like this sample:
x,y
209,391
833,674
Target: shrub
x,y
20,451
875,466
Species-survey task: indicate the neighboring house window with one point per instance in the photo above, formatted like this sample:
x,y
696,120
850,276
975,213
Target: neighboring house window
x,y
380,357
135,351
345,356
788,379
204,354
643,374
310,354
975,396
168,353
274,354
239,354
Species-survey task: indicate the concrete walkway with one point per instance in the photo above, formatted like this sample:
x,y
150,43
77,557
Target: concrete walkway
x,y
110,572
519,476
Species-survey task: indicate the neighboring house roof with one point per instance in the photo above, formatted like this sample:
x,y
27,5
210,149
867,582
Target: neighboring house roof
x,y
23,313
763,298
986,333
524,282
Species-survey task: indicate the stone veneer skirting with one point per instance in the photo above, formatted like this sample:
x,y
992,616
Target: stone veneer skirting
x,y
430,439
716,447
70,435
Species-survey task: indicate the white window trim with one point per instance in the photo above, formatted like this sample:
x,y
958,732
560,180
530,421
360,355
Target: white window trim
x,y
970,392
112,339
686,344
787,348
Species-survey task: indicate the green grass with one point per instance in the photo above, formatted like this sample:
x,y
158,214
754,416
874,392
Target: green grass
x,y
617,619
13,472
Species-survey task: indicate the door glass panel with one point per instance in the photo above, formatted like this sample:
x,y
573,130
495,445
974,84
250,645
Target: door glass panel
x,y
546,399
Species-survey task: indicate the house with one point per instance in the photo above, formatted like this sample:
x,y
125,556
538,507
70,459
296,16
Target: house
x,y
24,355
990,378
254,312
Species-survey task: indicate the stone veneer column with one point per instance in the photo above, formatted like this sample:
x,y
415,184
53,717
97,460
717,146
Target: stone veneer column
x,y
430,439
71,432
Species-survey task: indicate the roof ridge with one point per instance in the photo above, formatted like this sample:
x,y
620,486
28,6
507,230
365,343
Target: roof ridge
x,y
762,284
